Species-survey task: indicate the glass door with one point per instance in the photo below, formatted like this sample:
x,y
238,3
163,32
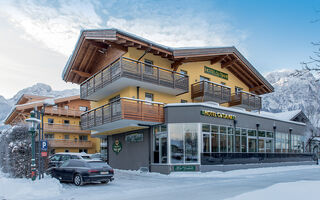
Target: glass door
x,y
163,144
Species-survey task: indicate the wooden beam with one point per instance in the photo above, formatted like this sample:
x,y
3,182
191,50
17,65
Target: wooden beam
x,y
129,44
256,88
217,59
240,76
176,64
228,63
120,41
80,73
118,46
99,44
249,76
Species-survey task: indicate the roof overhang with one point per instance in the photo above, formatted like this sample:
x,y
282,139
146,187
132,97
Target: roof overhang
x,y
92,44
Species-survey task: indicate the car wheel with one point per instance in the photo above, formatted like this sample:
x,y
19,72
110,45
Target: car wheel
x,y
105,182
77,180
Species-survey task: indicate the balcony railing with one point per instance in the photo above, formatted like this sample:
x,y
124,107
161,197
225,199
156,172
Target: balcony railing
x,y
63,128
138,71
123,108
62,111
54,143
246,100
210,91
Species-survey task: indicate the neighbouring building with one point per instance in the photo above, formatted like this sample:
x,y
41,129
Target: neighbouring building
x,y
174,109
61,122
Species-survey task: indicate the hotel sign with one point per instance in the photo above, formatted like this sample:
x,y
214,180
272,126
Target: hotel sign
x,y
214,72
217,114
184,168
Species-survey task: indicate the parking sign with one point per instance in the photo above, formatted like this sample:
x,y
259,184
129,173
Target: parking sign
x,y
44,145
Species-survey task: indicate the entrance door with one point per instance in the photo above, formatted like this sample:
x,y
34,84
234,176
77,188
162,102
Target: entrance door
x,y
163,146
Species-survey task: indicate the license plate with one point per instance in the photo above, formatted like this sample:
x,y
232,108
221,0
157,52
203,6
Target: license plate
x,y
104,172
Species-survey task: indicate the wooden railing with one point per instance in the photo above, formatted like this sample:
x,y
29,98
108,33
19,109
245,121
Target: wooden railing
x,y
137,70
246,100
62,111
123,108
210,91
63,128
53,143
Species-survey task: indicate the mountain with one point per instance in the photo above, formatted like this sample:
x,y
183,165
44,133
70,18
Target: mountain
x,y
37,89
292,93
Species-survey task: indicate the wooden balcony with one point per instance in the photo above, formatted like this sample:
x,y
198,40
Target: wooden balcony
x,y
54,143
122,113
125,72
210,91
62,112
246,100
63,128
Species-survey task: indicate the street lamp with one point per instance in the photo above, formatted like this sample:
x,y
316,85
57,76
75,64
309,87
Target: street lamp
x,y
33,124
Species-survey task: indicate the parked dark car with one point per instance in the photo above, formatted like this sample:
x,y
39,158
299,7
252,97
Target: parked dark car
x,y
58,158
83,171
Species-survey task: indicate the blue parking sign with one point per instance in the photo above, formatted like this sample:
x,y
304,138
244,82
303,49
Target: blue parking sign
x,y
44,145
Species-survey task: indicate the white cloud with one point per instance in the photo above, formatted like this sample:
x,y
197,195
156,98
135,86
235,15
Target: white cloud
x,y
179,32
57,27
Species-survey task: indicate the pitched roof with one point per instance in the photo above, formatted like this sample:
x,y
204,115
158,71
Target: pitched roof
x,y
230,57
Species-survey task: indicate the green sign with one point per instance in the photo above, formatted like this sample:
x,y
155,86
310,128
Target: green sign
x,y
214,72
117,146
184,168
135,137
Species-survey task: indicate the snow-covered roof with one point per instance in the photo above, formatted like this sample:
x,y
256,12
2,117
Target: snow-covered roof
x,y
267,115
288,115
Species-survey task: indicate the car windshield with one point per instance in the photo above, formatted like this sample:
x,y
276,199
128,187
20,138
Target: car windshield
x,y
98,164
86,157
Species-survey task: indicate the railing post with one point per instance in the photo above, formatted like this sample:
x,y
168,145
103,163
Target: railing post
x,y
87,84
102,117
174,79
158,75
141,70
95,119
94,84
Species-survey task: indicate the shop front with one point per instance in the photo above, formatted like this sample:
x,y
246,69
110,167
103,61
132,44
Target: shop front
x,y
203,137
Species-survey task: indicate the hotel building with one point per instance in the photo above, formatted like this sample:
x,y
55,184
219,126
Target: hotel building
x,y
175,109
61,122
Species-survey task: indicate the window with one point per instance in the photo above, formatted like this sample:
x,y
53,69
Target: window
x,y
148,97
183,72
223,139
66,107
184,101
243,140
202,78
230,139
237,89
238,140
83,108
66,137
50,121
214,138
66,121
206,143
252,144
83,150
83,138
55,107
67,150
148,69
49,136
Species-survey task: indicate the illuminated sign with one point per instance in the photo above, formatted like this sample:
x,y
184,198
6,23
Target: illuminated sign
x,y
217,114
214,72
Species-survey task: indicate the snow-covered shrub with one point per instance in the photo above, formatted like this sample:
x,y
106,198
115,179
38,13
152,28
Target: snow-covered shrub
x,y
15,151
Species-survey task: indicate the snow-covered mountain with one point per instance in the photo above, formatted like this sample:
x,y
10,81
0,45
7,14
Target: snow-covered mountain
x,y
292,93
37,89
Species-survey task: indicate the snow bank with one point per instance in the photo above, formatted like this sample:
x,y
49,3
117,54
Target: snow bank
x,y
293,191
243,172
14,188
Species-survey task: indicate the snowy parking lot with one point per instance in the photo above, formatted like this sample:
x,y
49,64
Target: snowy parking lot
x,y
295,182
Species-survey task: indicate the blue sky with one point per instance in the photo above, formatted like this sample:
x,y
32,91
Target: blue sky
x,y
273,35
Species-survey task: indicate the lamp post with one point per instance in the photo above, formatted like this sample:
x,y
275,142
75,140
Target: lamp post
x,y
33,123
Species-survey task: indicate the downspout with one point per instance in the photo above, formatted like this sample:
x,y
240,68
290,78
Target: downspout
x,y
145,52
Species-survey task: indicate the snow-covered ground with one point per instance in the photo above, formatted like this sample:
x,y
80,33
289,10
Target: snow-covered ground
x,y
295,182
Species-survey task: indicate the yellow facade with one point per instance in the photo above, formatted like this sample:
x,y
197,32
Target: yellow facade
x,y
72,136
193,69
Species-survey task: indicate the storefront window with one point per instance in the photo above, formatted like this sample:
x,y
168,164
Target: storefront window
x,y
206,128
252,144
278,142
214,138
252,133
262,133
223,139
269,134
269,146
191,143
230,139
205,143
238,140
261,145
243,140
184,143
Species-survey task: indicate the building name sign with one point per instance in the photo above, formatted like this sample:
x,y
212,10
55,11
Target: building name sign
x,y
135,137
217,114
214,72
